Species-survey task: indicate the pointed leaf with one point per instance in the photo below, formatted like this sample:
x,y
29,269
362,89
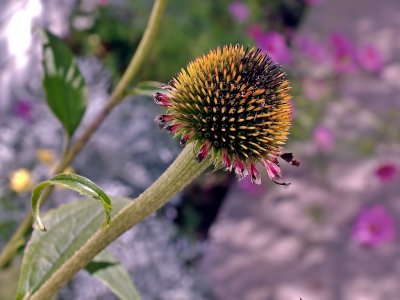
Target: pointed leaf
x,y
74,182
65,88
111,273
70,226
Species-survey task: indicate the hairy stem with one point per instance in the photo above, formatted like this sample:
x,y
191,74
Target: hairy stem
x,y
181,172
116,97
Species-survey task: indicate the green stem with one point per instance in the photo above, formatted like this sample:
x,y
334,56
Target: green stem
x,y
181,172
116,97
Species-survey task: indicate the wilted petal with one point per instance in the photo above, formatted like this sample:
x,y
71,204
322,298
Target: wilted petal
x,y
185,138
226,160
255,177
288,157
174,128
274,172
203,152
161,99
240,170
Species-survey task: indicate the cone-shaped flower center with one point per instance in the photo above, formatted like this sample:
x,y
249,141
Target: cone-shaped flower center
x,y
234,103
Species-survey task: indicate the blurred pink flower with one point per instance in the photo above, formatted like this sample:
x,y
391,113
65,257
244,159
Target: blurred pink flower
x,y
344,54
370,58
386,172
374,226
255,31
273,43
239,11
23,110
311,48
103,2
314,89
323,138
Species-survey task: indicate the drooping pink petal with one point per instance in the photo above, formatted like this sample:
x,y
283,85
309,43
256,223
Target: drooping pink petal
x,y
254,176
161,99
274,171
374,226
205,148
240,169
226,160
162,119
174,128
185,138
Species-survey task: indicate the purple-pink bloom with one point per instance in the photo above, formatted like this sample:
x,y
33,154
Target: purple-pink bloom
x,y
255,31
273,43
311,48
386,172
23,110
370,58
323,138
344,54
374,226
239,11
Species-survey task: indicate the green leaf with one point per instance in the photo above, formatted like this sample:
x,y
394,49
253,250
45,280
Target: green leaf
x,y
111,273
74,182
65,87
70,226
148,88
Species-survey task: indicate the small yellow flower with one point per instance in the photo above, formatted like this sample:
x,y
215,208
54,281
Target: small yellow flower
x,y
45,156
21,181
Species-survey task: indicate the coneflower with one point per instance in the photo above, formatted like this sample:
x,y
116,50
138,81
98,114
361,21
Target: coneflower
x,y
235,105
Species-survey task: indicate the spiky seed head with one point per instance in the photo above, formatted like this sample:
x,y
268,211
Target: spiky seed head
x,y
235,105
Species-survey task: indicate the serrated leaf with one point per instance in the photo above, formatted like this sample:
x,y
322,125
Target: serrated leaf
x,y
70,226
73,182
106,268
65,88
147,88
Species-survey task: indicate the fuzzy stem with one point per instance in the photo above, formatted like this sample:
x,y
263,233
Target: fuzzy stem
x,y
117,96
180,173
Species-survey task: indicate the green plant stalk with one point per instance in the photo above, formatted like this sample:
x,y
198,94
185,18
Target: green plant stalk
x,y
116,97
181,172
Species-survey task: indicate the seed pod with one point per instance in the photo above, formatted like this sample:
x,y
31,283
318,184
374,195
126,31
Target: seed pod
x,y
235,105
